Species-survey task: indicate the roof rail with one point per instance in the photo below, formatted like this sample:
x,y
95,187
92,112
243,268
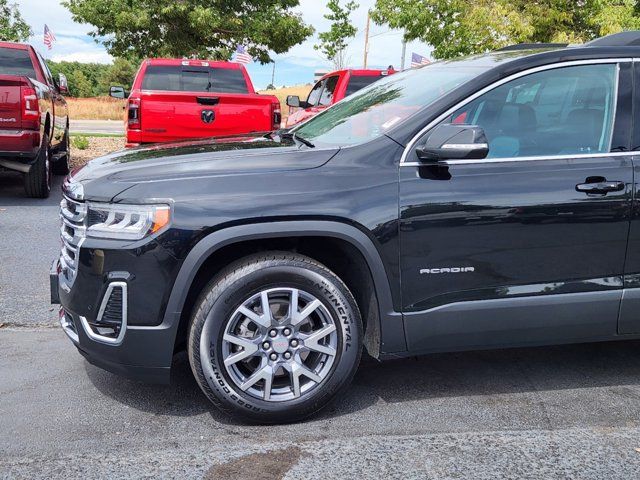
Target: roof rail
x,y
622,39
531,46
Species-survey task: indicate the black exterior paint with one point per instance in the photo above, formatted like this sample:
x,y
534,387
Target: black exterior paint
x,y
549,261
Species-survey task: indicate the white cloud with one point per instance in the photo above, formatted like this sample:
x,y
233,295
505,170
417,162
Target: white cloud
x,y
83,57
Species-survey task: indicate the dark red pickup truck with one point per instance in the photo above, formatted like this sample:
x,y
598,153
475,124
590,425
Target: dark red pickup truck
x,y
175,99
34,119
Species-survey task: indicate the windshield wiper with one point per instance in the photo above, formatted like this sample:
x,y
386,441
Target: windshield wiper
x,y
295,137
303,140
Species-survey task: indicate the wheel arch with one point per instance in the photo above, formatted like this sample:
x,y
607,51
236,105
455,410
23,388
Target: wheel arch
x,y
384,332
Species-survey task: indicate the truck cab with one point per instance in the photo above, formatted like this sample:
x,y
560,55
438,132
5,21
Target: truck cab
x,y
330,89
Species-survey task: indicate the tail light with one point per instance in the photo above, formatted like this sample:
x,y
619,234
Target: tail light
x,y
30,108
276,115
133,114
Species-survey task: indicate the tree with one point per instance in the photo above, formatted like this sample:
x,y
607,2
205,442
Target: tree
x,y
121,73
13,28
459,27
79,85
186,28
333,43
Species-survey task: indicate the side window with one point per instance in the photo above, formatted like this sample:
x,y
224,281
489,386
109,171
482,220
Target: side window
x,y
45,70
563,111
327,94
314,94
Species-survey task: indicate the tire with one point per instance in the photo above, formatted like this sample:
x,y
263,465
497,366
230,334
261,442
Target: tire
x,y
229,312
37,182
61,166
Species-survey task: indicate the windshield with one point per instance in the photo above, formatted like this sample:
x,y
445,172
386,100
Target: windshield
x,y
370,112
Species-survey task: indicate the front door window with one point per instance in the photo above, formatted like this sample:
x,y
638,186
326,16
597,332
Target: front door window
x,y
562,111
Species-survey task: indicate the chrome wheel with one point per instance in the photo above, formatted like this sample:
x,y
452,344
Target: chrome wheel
x,y
279,344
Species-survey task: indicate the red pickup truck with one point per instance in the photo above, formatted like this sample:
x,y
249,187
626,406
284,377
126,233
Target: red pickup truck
x,y
331,88
34,119
181,99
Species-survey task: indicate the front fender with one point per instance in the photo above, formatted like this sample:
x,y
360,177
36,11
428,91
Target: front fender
x,y
390,326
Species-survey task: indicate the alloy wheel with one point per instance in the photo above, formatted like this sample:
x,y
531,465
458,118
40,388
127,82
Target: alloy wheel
x,y
279,344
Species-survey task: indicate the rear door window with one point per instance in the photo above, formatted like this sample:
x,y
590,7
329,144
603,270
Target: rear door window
x,y
15,61
357,82
174,78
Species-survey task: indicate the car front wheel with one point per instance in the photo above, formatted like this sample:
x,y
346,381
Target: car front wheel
x,y
274,338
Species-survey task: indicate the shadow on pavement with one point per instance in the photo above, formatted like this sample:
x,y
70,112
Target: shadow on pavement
x,y
12,191
450,375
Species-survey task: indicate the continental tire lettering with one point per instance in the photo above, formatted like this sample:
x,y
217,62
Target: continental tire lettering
x,y
219,379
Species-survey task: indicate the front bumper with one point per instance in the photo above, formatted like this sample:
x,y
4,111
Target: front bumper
x,y
141,352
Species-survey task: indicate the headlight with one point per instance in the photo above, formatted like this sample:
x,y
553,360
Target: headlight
x,y
126,222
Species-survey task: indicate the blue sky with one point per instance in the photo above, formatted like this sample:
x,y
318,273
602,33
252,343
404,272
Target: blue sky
x,y
294,67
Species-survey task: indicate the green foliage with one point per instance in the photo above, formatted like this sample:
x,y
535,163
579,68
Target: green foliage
x,y
121,73
81,142
460,27
94,79
187,28
13,28
334,42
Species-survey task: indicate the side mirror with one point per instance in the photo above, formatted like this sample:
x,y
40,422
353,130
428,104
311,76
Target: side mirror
x,y
118,92
454,142
293,101
63,85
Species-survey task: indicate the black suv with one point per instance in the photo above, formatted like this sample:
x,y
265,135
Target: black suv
x,y
479,203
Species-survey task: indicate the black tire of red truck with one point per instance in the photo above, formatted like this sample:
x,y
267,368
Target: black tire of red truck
x,y
37,181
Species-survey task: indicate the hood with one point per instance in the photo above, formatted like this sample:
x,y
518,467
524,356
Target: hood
x,y
105,177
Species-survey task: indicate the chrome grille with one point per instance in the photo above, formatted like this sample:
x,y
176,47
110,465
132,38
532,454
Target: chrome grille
x,y
72,233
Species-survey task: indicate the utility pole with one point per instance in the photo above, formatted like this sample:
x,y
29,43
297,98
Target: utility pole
x,y
366,40
273,74
404,52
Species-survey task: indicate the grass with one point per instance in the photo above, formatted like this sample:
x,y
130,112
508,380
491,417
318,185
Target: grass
x,y
107,108
81,142
96,108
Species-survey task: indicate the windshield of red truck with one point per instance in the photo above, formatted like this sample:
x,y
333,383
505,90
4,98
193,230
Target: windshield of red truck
x,y
15,61
360,81
175,78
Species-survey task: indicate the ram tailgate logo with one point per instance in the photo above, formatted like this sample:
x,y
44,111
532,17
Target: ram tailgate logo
x,y
207,116
436,271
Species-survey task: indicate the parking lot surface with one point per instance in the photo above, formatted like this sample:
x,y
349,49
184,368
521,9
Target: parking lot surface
x,y
544,413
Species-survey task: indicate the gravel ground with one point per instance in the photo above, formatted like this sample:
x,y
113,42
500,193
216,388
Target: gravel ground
x,y
98,146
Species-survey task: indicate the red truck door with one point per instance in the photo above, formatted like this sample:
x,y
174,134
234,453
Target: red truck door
x,y
199,101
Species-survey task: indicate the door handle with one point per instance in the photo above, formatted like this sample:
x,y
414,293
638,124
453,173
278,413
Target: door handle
x,y
600,187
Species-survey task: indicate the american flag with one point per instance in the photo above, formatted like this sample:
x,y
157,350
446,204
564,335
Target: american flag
x,y
49,37
417,60
242,56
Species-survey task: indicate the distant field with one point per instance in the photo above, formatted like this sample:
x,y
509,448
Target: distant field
x,y
301,90
107,108
96,108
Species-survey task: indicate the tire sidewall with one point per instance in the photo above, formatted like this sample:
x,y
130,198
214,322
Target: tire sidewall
x,y
211,321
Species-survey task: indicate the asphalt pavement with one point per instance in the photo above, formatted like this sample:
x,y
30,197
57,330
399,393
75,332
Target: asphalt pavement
x,y
564,412
97,126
